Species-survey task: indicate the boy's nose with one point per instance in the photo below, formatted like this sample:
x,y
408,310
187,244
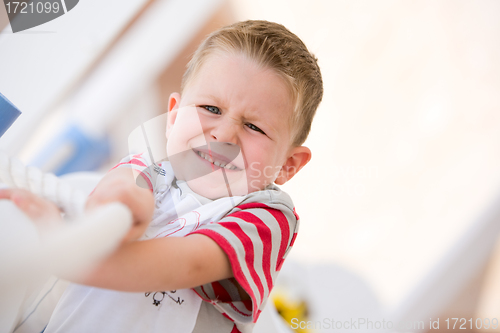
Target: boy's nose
x,y
226,131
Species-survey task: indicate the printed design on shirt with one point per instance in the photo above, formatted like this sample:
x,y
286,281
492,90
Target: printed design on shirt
x,y
178,224
159,170
159,296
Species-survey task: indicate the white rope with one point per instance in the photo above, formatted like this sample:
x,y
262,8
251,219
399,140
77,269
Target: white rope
x,y
15,174
70,250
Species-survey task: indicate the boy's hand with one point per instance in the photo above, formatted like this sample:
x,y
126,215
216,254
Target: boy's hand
x,y
119,185
41,211
135,266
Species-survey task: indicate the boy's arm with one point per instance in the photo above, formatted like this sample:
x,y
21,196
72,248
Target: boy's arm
x,y
158,264
162,264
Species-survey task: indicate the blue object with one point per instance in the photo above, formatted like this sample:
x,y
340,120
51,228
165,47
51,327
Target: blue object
x,y
73,150
8,114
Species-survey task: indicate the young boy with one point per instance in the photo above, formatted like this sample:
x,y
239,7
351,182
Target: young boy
x,y
211,231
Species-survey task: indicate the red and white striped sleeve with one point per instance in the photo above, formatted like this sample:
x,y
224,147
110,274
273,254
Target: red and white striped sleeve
x,y
140,163
256,238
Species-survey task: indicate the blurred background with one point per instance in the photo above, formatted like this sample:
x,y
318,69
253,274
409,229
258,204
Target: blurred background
x,y
400,205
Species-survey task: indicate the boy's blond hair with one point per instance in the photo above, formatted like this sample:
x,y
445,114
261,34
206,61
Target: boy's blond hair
x,y
271,45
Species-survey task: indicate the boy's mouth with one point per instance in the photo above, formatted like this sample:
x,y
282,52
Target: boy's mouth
x,y
216,160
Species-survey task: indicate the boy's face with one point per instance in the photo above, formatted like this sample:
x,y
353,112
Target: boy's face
x,y
233,122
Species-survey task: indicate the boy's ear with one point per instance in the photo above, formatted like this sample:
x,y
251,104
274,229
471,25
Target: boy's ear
x,y
298,157
173,106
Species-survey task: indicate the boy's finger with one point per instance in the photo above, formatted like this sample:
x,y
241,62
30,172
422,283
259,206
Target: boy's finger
x,y
16,195
8,193
21,199
5,193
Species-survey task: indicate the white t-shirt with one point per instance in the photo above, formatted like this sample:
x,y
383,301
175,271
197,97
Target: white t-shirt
x,y
256,232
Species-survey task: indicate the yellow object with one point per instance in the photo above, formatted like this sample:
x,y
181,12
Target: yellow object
x,y
290,308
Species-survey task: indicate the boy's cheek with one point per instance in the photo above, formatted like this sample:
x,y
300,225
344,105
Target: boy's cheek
x,y
272,172
261,176
186,129
255,170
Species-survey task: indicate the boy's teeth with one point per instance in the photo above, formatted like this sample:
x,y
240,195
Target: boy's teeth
x,y
217,163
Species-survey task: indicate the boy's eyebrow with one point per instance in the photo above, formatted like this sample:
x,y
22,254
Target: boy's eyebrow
x,y
220,103
217,100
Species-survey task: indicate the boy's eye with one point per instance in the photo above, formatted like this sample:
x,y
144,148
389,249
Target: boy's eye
x,y
212,109
255,128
